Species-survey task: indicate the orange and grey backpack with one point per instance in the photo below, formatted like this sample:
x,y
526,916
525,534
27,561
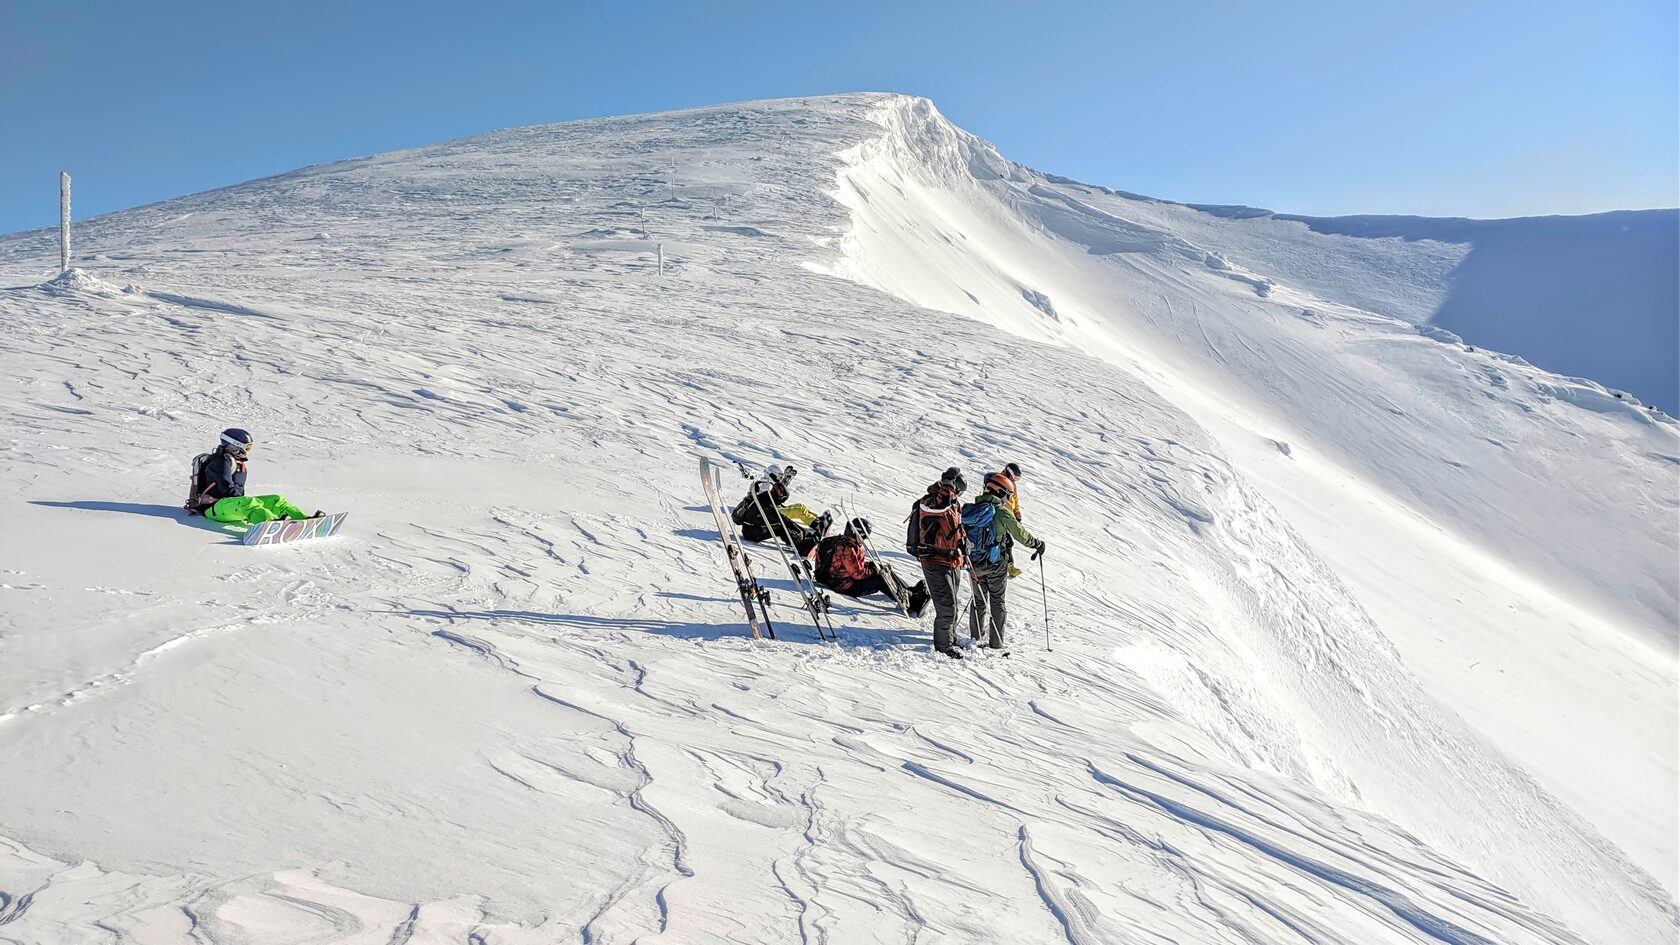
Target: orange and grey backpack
x,y
936,528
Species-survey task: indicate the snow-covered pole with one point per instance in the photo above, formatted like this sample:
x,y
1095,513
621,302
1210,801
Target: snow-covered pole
x,y
63,221
662,259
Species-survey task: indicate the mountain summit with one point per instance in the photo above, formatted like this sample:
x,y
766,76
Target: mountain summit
x,y
1360,632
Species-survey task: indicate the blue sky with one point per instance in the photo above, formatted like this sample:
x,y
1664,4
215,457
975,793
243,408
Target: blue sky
x,y
1463,108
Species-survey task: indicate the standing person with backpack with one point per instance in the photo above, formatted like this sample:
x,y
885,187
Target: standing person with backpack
x,y
992,531
843,566
1013,503
935,538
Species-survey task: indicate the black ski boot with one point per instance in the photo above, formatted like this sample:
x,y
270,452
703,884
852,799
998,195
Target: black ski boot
x,y
918,599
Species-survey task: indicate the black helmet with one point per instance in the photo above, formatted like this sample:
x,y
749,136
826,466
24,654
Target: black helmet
x,y
953,478
1012,470
858,528
237,441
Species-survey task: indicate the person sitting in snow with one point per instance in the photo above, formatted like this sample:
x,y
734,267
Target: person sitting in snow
x,y
218,486
791,522
843,566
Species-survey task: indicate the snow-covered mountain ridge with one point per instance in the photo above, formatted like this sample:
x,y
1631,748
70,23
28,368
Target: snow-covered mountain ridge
x,y
513,701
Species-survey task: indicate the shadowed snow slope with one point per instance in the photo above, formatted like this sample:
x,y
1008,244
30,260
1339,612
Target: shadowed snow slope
x,y
1596,296
513,699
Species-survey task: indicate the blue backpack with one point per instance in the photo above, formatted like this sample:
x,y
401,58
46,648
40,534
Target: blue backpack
x,y
983,542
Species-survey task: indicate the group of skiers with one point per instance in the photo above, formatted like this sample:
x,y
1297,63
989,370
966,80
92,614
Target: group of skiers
x,y
946,536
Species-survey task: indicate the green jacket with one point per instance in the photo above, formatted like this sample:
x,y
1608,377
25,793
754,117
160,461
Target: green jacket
x,y
1005,523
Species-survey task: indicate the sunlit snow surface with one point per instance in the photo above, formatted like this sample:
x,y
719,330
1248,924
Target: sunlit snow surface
x,y
1360,636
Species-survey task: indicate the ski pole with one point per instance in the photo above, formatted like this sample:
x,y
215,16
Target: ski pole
x,y
1045,593
979,604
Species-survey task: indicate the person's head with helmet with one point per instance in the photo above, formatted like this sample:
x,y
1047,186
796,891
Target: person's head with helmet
x,y
858,528
237,443
1000,485
778,482
950,486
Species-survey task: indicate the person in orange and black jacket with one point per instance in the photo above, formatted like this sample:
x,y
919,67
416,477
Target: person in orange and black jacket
x,y
843,566
935,537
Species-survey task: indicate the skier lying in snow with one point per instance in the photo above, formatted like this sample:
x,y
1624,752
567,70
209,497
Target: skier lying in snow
x,y
769,496
217,490
843,566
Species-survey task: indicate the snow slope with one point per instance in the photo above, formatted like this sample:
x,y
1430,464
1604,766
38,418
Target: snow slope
x,y
513,701
1596,296
1466,467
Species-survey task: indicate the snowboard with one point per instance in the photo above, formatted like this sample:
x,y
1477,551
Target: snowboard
x,y
286,531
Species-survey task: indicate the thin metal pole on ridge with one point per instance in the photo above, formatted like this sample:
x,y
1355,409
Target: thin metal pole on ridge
x,y
63,221
762,595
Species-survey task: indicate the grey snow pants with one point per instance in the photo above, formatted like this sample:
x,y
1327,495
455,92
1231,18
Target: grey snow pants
x,y
990,584
943,584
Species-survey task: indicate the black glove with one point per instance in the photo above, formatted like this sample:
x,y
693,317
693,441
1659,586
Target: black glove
x,y
1039,551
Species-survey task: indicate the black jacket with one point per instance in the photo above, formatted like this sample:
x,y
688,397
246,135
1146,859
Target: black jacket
x,y
749,512
223,476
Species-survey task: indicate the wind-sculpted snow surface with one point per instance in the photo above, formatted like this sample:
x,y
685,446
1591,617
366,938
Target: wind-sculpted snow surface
x,y
1514,532
512,701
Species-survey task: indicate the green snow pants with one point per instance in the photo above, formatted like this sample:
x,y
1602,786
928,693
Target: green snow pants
x,y
251,509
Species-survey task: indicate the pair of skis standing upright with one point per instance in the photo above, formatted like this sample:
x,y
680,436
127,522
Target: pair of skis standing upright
x,y
755,599
741,564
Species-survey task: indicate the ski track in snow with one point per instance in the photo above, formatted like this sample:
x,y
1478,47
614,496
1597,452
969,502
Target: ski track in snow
x,y
512,702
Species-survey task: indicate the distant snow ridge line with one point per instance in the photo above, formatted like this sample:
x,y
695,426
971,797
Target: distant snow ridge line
x,y
999,245
1128,281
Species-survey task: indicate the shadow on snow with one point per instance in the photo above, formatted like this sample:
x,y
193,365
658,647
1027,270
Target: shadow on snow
x,y
151,511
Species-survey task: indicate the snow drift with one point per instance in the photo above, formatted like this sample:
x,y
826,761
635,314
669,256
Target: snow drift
x,y
511,701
